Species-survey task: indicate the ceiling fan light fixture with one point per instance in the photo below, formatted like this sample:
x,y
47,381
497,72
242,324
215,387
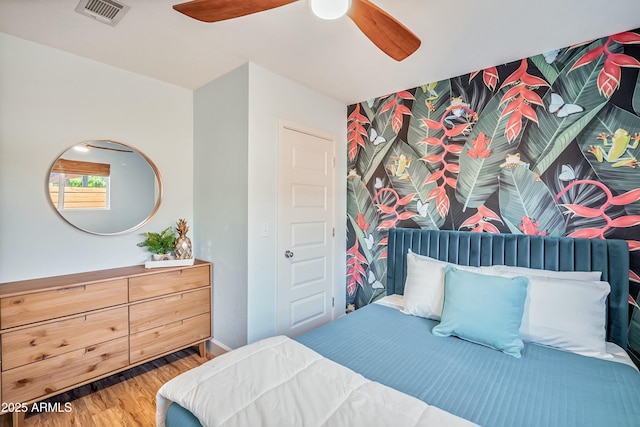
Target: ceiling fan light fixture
x,y
329,9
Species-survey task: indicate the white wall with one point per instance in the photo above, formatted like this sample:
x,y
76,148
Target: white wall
x,y
220,198
49,101
273,98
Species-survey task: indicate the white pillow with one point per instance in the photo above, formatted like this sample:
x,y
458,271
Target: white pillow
x,y
503,270
569,314
424,286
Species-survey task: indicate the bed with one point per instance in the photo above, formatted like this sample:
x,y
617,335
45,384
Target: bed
x,y
471,380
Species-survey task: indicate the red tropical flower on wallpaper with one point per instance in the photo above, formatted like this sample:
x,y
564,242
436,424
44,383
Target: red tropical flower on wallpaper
x,y
609,76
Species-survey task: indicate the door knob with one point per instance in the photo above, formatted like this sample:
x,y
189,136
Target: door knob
x,y
288,254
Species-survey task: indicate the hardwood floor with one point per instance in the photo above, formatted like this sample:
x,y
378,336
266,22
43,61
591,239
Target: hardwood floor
x,y
123,399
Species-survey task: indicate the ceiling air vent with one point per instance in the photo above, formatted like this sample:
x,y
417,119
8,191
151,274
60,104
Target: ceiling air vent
x,y
107,11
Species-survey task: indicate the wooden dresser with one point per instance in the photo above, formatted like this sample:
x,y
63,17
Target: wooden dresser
x,y
57,333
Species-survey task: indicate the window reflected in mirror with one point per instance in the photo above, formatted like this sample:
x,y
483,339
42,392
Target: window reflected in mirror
x,y
79,185
104,187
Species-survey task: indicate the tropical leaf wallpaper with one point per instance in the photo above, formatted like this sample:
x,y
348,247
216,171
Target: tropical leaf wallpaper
x,y
548,145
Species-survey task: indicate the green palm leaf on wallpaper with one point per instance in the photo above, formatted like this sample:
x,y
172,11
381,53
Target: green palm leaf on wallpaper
x,y
359,202
620,174
577,100
412,181
549,72
526,205
370,156
636,96
370,107
477,179
376,149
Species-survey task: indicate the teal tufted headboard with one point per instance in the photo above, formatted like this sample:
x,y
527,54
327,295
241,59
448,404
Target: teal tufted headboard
x,y
611,257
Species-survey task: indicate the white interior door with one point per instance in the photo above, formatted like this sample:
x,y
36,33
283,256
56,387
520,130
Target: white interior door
x,y
305,230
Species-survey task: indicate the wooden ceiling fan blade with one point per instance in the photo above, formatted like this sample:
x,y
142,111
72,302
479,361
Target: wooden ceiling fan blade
x,y
220,10
383,30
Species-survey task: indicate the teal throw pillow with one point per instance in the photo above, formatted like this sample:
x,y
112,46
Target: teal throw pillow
x,y
483,309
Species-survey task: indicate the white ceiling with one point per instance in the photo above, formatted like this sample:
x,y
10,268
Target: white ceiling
x,y
331,57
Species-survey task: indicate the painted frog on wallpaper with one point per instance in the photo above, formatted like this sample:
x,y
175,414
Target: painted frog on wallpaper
x,y
433,95
531,227
513,161
456,110
400,166
612,151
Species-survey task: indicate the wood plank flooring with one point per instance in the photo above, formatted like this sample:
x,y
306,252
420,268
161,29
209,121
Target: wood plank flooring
x,y
124,399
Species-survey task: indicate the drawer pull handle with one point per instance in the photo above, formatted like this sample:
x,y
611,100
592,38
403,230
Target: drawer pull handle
x,y
173,273
174,298
80,288
175,324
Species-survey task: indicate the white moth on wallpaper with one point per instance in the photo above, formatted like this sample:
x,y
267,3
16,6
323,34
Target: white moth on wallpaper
x,y
567,173
375,284
375,138
558,107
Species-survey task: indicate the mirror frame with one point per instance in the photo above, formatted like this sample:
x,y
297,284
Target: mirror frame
x,y
153,167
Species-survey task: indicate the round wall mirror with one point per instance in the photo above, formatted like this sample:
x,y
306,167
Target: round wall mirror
x,y
104,187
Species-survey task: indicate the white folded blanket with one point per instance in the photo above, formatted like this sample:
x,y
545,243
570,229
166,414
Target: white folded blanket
x,y
280,382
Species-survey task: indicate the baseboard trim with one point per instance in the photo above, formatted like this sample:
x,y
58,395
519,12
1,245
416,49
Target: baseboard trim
x,y
216,347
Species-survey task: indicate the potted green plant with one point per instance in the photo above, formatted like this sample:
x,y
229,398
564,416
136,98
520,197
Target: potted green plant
x,y
159,244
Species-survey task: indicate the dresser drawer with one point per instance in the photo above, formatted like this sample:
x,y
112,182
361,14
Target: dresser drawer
x,y
171,336
30,382
34,307
151,314
53,339
158,284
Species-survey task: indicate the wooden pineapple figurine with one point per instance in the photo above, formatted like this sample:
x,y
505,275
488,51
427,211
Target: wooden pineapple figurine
x,y
182,248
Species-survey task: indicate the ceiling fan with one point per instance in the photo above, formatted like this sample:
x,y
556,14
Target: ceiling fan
x,y
382,29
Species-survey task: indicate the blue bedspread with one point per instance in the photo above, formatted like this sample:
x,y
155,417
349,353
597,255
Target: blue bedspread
x,y
544,388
